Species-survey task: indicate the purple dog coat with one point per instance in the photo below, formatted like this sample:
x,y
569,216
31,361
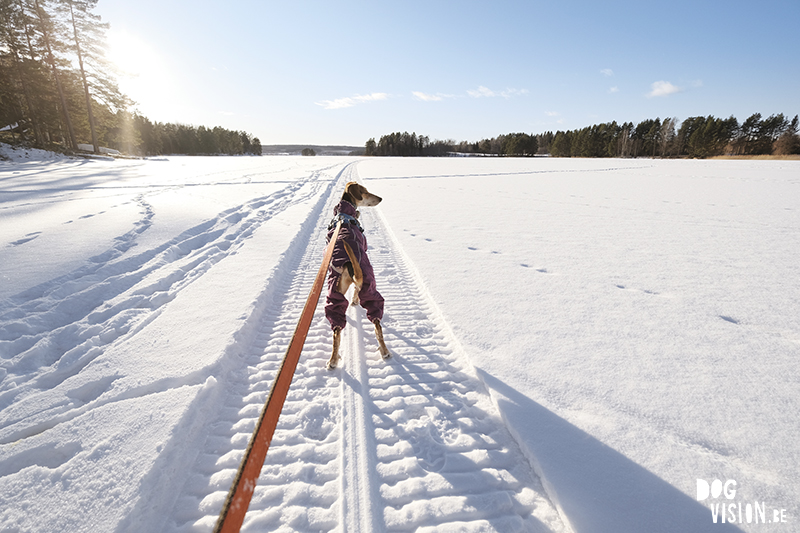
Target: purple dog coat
x,y
336,303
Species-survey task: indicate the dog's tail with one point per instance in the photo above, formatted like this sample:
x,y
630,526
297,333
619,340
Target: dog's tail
x,y
354,267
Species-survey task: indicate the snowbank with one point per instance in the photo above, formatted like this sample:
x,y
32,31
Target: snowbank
x,y
13,153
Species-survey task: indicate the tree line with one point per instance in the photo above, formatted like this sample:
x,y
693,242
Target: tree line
x,y
57,90
695,137
405,144
140,136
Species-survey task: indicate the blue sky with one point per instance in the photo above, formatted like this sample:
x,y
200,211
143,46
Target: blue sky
x,y
324,72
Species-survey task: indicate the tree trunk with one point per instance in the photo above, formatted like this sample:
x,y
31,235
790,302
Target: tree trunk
x,y
52,61
19,69
37,132
85,84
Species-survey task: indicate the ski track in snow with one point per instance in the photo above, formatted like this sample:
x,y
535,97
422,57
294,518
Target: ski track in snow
x,y
373,445
50,332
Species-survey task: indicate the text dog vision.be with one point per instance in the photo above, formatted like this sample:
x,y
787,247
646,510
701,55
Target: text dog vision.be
x,y
734,512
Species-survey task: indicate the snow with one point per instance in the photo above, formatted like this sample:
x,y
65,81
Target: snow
x,y
575,343
13,153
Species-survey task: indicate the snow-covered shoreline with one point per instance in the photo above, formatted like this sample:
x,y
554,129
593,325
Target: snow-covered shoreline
x,y
633,320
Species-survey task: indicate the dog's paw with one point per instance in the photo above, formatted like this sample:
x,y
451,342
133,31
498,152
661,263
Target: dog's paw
x,y
383,350
331,364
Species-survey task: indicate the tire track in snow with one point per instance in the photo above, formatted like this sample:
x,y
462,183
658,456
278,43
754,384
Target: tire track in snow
x,y
52,331
442,458
357,450
299,484
410,444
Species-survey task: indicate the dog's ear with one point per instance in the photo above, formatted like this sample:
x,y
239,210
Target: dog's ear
x,y
354,190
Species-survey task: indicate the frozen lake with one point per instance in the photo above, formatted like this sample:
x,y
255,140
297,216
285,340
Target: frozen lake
x,y
576,343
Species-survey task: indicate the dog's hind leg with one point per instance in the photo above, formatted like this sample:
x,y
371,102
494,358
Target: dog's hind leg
x,y
379,335
334,360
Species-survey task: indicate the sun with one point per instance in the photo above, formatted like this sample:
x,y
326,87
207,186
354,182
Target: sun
x,y
131,56
143,75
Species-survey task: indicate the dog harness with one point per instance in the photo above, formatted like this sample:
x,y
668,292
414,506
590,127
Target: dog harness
x,y
345,219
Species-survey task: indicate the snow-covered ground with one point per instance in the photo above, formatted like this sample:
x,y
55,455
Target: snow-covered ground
x,y
576,343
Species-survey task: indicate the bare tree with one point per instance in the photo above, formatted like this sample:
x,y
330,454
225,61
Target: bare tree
x,y
667,134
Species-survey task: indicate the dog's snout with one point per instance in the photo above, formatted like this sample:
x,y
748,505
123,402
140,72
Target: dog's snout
x,y
371,200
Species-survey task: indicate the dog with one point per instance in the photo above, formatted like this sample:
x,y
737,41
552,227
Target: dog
x,y
350,266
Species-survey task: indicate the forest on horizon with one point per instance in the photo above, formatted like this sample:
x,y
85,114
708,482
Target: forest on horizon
x,y
695,137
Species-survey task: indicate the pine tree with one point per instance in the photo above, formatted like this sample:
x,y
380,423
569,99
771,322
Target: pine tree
x,y
15,78
83,7
47,29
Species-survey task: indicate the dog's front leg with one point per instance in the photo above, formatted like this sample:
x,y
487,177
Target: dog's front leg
x,y
379,335
334,360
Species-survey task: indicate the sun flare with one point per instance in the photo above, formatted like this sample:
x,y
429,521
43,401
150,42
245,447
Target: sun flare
x,y
130,54
143,75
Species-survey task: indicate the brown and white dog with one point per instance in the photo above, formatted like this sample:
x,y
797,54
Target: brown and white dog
x,y
350,266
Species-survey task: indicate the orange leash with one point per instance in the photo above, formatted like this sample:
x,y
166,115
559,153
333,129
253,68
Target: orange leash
x,y
233,512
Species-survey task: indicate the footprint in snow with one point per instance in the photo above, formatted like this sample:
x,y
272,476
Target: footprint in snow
x,y
27,238
50,455
89,392
316,421
423,332
428,446
646,291
539,270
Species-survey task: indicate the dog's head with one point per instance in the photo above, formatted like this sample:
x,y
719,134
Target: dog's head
x,y
358,195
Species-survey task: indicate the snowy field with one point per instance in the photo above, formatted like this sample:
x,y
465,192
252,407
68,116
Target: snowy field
x,y
575,344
